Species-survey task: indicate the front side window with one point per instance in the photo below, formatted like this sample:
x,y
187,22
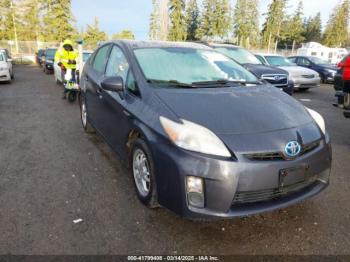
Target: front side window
x,y
50,53
278,61
304,62
240,55
100,60
2,57
117,64
189,65
131,85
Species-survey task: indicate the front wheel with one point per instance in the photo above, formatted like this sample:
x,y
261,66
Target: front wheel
x,y
84,116
143,174
72,96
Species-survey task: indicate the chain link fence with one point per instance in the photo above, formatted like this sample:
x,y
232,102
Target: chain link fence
x,y
23,52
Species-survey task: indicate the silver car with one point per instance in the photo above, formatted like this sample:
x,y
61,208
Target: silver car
x,y
303,78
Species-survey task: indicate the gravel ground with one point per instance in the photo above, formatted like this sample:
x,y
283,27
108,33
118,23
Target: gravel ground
x,y
52,173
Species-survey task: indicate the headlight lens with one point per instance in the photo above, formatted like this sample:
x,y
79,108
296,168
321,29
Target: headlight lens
x,y
193,137
2,68
318,119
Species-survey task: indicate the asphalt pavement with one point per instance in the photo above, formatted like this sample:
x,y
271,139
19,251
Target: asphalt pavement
x,y
65,192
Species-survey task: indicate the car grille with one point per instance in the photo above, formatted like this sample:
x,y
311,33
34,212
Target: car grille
x,y
276,80
279,156
246,197
308,76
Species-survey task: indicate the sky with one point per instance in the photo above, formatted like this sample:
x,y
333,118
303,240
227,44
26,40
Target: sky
x,y
116,15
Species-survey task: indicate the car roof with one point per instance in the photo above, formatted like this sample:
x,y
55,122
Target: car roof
x,y
133,44
262,54
224,45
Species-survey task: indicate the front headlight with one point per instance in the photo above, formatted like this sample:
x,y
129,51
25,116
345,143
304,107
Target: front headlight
x,y
3,68
193,137
331,71
318,119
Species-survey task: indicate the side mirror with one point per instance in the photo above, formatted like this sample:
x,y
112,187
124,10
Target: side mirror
x,y
9,60
114,84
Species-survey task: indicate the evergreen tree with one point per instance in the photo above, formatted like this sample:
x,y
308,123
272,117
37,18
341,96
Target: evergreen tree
x,y
215,21
192,16
94,35
337,32
8,20
125,34
30,25
154,26
177,30
58,20
293,28
246,22
313,29
273,24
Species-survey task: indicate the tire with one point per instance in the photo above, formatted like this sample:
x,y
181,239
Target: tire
x,y
347,101
72,96
85,123
140,152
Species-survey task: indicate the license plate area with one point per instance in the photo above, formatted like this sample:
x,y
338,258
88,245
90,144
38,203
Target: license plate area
x,y
292,176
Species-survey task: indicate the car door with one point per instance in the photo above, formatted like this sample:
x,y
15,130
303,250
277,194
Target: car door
x,y
92,84
117,106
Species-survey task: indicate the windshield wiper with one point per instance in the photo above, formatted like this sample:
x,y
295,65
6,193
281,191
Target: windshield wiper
x,y
170,82
225,82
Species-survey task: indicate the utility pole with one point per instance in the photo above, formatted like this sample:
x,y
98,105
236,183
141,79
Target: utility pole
x,y
164,19
14,25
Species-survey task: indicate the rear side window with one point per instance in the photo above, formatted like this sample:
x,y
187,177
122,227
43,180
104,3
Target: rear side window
x,y
304,61
100,60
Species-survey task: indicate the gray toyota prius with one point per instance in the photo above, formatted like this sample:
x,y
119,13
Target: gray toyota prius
x,y
202,136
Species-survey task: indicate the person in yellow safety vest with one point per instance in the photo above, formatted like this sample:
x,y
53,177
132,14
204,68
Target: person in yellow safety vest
x,y
66,58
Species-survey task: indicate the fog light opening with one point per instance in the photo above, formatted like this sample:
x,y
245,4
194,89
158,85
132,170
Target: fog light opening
x,y
195,191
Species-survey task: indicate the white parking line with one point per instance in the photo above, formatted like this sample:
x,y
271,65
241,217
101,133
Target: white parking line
x,y
305,100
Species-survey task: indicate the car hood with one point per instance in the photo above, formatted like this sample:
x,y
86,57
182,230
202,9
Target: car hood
x,y
3,64
329,67
236,110
298,70
260,70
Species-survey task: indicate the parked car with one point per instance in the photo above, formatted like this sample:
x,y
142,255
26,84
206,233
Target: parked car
x,y
39,55
58,71
8,60
204,137
324,68
275,76
303,78
5,72
48,60
342,83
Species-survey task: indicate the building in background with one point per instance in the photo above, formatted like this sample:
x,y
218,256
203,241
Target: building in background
x,y
332,55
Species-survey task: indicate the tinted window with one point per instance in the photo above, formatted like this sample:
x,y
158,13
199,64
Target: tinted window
x,y
117,64
304,62
100,60
293,59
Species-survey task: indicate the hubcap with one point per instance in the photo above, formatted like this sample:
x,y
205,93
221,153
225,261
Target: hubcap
x,y
83,113
141,172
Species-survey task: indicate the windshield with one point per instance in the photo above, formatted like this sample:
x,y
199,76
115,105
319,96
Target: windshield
x,y
50,52
278,61
188,65
318,61
86,56
240,55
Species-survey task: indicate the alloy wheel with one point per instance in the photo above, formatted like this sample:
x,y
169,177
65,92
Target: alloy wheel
x,y
141,172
